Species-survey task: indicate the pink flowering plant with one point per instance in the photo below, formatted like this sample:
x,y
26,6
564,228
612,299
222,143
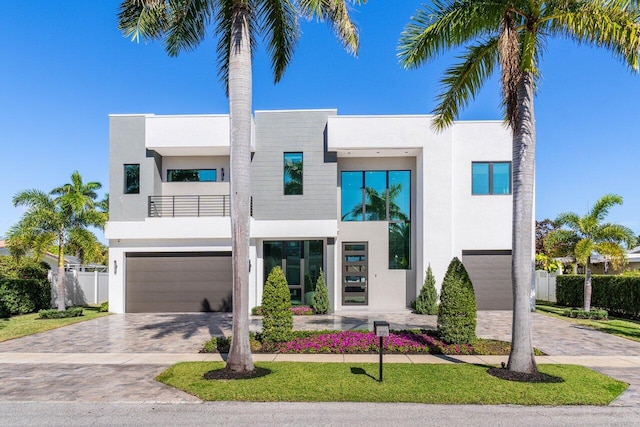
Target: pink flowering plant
x,y
404,342
301,310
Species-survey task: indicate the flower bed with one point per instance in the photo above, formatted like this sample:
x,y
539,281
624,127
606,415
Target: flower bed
x,y
367,342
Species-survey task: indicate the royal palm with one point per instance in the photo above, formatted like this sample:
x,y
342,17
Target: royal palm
x,y
510,35
182,25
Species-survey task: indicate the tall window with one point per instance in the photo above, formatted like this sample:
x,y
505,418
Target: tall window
x,y
490,178
191,175
132,179
381,196
292,173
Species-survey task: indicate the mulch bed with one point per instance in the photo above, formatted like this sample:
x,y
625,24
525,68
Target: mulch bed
x,y
537,377
227,374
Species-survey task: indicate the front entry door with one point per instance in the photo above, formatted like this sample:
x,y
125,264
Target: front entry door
x,y
355,290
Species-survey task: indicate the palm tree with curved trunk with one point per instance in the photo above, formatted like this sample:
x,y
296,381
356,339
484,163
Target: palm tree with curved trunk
x,y
60,218
592,235
511,35
182,25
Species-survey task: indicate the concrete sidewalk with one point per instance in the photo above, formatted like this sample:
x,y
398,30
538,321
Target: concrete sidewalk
x,y
164,359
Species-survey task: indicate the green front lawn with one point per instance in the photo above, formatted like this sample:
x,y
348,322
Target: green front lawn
x,y
419,383
29,324
624,328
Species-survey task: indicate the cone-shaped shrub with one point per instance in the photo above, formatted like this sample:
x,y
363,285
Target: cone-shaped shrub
x,y
277,318
457,311
320,300
427,302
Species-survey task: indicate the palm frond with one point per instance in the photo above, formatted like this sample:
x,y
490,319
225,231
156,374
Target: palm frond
x,y
336,14
32,198
463,81
583,250
446,25
187,24
84,244
612,252
281,29
602,206
616,233
612,24
569,219
146,19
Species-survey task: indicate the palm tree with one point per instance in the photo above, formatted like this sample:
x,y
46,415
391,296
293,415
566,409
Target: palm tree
x,y
182,25
59,218
511,34
590,235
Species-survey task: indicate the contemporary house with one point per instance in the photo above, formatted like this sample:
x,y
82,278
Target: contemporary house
x,y
369,200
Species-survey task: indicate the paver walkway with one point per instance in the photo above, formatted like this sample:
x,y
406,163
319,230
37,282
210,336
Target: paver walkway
x,y
115,358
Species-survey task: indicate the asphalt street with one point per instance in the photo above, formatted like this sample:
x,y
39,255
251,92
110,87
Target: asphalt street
x,y
312,414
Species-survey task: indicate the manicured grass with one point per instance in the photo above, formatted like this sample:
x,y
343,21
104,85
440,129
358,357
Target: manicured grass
x,y
420,383
624,328
29,324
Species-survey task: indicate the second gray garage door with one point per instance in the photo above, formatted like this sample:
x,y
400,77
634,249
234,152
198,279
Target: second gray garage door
x,y
490,273
178,282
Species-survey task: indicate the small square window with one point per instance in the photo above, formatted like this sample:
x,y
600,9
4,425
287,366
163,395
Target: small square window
x,y
132,179
292,174
490,178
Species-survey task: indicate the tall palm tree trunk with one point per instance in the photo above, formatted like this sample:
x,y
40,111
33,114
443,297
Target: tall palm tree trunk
x,y
521,358
587,285
61,276
240,117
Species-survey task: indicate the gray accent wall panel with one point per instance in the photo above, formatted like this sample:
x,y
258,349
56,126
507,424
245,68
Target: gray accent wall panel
x,y
279,132
127,146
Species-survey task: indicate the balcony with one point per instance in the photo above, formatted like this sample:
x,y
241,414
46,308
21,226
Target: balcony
x,y
189,206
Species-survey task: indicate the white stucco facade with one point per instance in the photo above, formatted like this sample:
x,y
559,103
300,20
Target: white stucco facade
x,y
446,219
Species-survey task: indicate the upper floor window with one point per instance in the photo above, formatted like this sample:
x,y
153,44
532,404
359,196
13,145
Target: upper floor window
x,y
376,196
132,179
292,173
191,175
490,178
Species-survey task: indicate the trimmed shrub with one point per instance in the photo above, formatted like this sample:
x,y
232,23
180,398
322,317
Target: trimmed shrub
x,y
457,311
427,301
23,268
320,300
619,295
581,314
104,307
277,318
22,296
56,314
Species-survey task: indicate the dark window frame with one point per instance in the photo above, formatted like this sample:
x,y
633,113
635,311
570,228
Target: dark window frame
x,y
285,174
126,188
215,171
490,191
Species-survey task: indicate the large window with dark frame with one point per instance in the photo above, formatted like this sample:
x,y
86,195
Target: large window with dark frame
x,y
301,261
490,178
292,174
191,175
381,196
132,179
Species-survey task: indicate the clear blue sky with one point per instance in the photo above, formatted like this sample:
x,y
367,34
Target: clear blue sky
x,y
66,68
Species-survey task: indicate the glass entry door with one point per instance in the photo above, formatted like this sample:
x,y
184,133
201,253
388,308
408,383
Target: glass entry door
x,y
355,290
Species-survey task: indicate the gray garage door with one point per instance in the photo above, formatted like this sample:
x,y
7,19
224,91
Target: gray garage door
x,y
178,282
490,272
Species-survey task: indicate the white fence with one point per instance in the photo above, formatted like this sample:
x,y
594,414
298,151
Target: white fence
x,y
545,286
82,287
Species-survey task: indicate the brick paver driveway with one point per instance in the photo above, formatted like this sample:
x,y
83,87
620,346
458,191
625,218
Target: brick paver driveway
x,y
185,333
